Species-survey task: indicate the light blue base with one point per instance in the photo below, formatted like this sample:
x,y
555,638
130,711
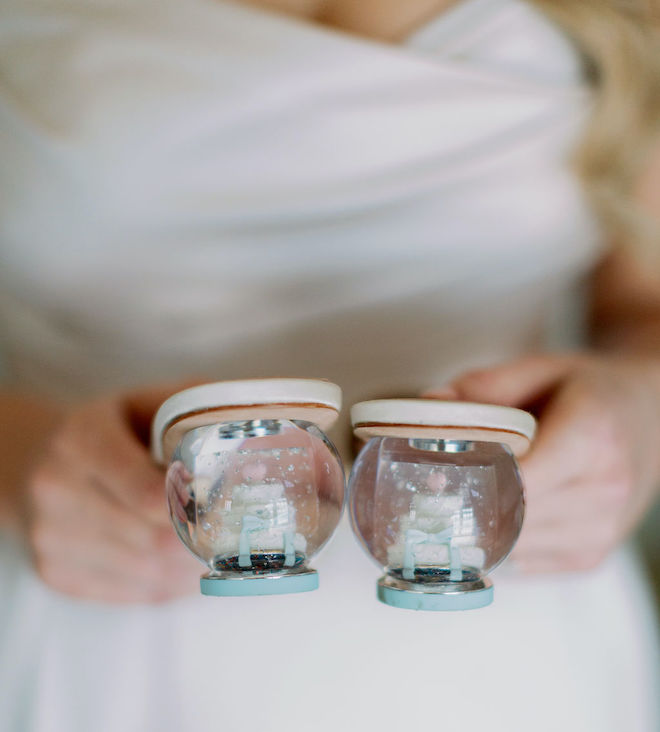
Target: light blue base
x,y
250,586
416,600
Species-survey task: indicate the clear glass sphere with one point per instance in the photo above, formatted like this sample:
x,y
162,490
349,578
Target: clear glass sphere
x,y
257,496
434,511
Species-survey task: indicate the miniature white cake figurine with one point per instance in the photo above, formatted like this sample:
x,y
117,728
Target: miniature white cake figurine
x,y
433,532
260,520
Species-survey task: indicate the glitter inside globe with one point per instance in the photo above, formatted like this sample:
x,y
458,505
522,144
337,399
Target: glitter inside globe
x,y
437,516
254,500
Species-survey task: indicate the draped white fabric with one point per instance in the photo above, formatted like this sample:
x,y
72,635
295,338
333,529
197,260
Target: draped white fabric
x,y
196,186
193,186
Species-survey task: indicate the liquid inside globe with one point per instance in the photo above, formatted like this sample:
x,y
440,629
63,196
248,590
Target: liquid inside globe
x,y
436,513
255,497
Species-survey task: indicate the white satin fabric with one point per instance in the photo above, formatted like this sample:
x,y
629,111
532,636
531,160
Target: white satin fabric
x,y
192,186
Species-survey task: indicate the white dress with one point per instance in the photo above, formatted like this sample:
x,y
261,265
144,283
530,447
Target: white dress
x,y
192,186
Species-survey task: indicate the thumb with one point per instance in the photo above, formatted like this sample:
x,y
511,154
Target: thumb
x,y
518,383
140,406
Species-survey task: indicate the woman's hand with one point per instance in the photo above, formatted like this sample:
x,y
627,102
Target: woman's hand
x,y
594,467
95,509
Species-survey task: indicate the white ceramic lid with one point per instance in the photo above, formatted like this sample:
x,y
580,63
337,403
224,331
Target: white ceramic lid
x,y
436,419
310,400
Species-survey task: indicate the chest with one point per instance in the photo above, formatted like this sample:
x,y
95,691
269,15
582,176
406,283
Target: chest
x,y
383,20
213,148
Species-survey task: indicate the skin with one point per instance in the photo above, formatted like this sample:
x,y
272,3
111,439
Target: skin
x,y
79,484
594,467
381,20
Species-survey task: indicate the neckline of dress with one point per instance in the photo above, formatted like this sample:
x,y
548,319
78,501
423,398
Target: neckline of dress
x,y
453,17
445,32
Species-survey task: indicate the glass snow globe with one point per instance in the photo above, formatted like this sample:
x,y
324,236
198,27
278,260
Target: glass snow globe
x,y
254,486
436,497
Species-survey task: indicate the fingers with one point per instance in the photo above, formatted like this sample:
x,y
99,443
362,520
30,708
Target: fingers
x,y
135,582
578,486
97,519
99,444
557,454
585,471
516,383
87,565
114,589
138,407
580,434
85,545
564,520
446,392
71,500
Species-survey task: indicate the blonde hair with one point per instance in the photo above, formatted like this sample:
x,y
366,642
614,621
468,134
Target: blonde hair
x,y
620,42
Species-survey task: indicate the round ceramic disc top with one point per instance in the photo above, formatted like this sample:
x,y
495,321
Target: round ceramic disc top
x,y
309,400
436,419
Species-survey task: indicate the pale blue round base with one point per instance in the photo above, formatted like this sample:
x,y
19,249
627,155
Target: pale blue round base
x,y
250,586
419,600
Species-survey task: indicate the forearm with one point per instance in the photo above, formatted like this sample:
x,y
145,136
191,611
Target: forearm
x,y
25,424
625,307
634,333
625,329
